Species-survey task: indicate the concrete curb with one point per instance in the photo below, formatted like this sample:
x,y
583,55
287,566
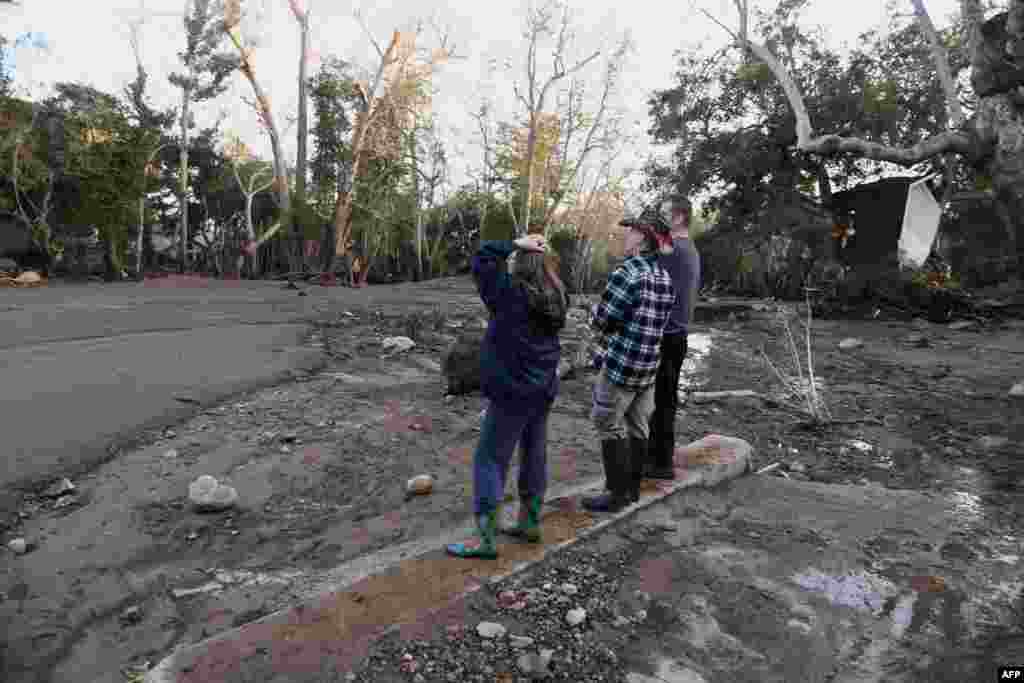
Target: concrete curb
x,y
363,567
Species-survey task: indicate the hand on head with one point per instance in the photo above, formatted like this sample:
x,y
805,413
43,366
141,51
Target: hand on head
x,y
532,243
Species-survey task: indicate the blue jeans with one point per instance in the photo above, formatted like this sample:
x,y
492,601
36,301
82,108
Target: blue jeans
x,y
506,424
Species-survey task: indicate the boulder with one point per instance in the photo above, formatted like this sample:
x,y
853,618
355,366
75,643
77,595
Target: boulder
x,y
715,458
461,363
209,495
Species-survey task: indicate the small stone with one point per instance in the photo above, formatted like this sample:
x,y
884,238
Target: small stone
x,y
18,546
398,344
548,586
171,453
641,615
575,617
419,486
850,343
962,325
1017,390
620,622
448,398
520,642
489,630
570,589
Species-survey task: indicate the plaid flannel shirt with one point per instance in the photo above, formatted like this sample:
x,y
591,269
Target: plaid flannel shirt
x,y
631,318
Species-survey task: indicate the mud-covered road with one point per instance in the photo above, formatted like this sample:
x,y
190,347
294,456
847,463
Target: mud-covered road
x,y
122,570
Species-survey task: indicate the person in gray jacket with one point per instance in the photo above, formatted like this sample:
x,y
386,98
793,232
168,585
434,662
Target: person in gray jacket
x,y
682,261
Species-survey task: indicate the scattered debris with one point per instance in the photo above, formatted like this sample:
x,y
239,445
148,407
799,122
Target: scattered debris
x,y
60,488
180,593
29,278
207,494
709,396
132,615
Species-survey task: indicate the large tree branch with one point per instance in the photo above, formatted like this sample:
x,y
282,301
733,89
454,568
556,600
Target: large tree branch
x,y
958,141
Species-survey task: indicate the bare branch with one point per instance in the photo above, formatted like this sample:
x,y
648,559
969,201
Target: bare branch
x,y
359,17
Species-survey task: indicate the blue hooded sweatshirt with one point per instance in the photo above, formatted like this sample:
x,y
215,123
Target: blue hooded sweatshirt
x,y
521,350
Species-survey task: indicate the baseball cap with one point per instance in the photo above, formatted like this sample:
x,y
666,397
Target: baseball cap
x,y
655,215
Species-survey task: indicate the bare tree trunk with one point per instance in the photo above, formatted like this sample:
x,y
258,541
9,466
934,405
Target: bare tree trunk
x,y
303,130
186,98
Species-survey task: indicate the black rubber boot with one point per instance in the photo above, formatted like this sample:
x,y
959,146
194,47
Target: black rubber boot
x,y
638,453
658,463
618,476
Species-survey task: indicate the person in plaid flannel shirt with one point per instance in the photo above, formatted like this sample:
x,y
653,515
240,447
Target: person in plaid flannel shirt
x,y
631,319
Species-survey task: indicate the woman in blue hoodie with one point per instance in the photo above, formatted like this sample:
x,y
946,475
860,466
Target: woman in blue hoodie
x,y
519,375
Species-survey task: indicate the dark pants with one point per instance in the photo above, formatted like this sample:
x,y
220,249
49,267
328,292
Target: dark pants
x,y
662,440
505,425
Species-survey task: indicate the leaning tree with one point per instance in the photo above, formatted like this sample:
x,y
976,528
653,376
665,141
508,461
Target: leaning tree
x,y
991,139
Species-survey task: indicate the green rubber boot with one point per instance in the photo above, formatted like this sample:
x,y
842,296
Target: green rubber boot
x,y
528,523
484,546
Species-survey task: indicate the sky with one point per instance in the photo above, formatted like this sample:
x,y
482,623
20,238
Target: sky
x,y
89,42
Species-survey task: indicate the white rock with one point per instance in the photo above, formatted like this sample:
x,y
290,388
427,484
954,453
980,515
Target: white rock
x,y
421,485
520,642
570,589
1017,389
18,546
574,617
850,343
489,629
961,325
207,493
399,344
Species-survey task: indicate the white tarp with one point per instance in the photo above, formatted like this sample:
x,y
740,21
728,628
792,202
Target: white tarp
x,y
920,224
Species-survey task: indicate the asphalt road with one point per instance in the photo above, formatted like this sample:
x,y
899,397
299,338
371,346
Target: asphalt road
x,y
85,366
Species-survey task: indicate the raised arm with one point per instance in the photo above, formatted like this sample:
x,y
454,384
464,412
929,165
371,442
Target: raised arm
x,y
492,279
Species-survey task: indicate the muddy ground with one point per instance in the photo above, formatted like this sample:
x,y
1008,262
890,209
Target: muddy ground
x,y
122,570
